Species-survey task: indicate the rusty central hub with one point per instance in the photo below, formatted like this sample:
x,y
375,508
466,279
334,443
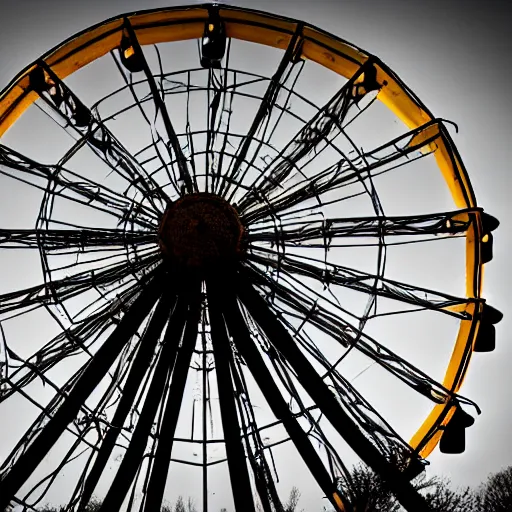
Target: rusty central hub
x,y
201,231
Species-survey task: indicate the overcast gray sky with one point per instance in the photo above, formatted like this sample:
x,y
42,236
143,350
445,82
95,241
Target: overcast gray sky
x,y
457,60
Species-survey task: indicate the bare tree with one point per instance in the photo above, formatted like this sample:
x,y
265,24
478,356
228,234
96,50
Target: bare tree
x,y
190,505
367,491
442,498
495,495
293,500
93,506
180,505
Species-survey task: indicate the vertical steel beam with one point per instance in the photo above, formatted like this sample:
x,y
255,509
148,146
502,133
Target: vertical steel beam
x,y
237,465
204,417
160,469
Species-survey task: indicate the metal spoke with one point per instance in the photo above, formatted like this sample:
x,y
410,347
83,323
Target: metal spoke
x,y
162,111
352,337
73,340
62,104
265,485
60,290
346,171
134,454
57,181
329,274
371,422
155,135
264,110
330,232
220,111
82,239
326,123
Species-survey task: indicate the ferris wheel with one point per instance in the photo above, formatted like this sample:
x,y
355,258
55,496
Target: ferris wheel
x,y
231,239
